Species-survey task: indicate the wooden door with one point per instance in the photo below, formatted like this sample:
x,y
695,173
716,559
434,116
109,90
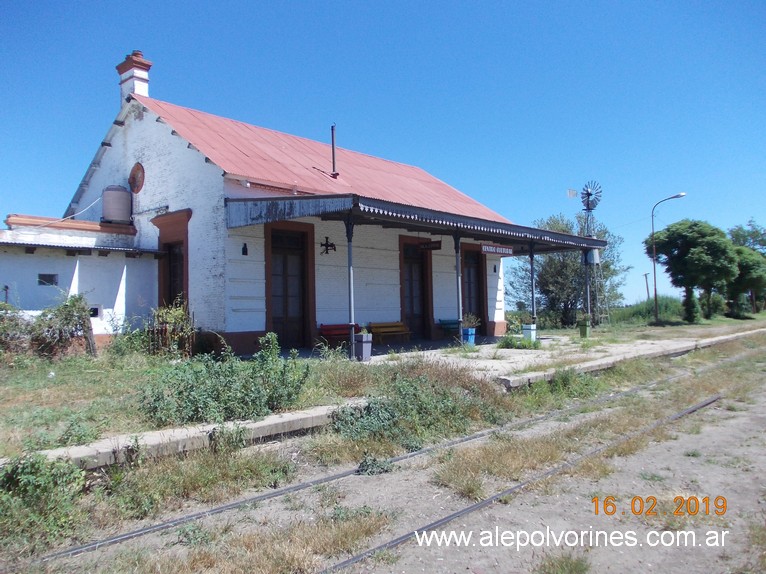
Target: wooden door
x,y
288,288
473,285
413,284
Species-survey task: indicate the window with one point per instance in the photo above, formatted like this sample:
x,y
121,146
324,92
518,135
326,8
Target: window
x,y
47,279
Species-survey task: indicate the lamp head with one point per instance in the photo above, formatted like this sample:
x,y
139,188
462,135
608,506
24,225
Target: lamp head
x,y
682,194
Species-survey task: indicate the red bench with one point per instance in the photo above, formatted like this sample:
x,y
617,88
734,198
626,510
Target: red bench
x,y
336,335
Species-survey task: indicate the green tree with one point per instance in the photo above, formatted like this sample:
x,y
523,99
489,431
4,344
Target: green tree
x,y
560,277
751,277
695,255
752,236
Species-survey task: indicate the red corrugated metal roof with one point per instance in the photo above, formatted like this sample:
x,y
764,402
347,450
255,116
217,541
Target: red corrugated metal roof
x,y
266,156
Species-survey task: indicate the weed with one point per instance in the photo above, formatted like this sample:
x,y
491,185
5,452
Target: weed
x,y
15,330
505,457
38,502
412,411
756,536
651,477
693,453
205,389
463,477
462,349
329,496
511,341
387,557
210,475
295,547
594,468
563,564
371,465
171,329
193,534
56,329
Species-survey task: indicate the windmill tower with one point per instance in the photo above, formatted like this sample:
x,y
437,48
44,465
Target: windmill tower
x,y
591,196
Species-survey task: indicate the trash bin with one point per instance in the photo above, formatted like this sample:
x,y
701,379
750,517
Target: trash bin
x,y
363,346
584,326
529,332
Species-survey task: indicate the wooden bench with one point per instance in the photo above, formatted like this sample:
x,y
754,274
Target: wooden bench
x,y
336,334
380,331
450,326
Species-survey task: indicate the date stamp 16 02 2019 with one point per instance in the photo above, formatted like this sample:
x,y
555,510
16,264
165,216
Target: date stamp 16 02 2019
x,y
647,506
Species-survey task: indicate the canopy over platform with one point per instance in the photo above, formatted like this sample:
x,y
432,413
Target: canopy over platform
x,y
367,211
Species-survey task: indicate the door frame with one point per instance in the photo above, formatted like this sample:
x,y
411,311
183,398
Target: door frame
x,y
309,274
173,229
484,312
429,329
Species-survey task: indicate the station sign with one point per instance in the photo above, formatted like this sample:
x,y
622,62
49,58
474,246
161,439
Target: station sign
x,y
491,249
430,246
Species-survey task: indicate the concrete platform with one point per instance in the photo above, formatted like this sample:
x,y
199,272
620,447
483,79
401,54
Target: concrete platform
x,y
669,347
122,448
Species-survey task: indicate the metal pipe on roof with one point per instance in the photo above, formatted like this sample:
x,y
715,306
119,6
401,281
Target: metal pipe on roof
x,y
332,133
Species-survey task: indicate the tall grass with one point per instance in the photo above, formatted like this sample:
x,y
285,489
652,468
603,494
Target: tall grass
x,y
670,310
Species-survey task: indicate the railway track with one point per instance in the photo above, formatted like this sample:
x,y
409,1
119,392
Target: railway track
x,y
516,425
399,540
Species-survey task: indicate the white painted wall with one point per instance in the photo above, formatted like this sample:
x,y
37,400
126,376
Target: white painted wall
x,y
376,277
119,286
246,280
495,289
176,177
376,274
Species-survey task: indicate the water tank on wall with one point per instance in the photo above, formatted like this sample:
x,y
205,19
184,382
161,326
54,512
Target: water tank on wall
x,y
117,204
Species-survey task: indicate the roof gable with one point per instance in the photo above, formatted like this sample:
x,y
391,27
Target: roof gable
x,y
265,156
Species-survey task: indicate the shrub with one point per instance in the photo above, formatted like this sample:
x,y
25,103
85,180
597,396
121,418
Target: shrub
x,y
510,341
714,305
171,329
209,389
412,411
55,329
38,500
371,465
282,379
204,390
515,319
692,310
15,330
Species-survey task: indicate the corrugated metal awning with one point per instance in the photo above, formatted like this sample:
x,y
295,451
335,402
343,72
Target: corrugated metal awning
x,y
244,212
80,248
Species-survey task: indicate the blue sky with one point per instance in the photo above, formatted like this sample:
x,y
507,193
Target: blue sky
x,y
513,103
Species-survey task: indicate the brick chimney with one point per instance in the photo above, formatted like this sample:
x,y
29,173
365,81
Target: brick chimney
x,y
134,75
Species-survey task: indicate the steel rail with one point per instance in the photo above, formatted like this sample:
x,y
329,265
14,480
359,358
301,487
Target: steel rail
x,y
180,521
538,477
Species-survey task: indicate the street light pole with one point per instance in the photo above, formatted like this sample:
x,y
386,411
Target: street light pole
x,y
654,255
646,280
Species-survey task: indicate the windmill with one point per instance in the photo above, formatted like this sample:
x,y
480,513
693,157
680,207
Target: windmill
x,y
590,196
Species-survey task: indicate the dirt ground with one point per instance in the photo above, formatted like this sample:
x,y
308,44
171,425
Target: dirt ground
x,y
716,453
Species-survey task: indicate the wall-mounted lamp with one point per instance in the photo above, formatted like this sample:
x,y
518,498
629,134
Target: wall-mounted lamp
x,y
244,249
